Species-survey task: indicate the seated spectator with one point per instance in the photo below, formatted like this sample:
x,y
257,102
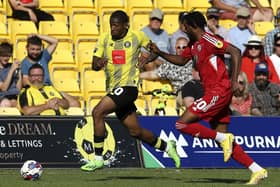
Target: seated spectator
x,y
229,8
213,26
239,34
241,100
38,98
177,75
29,10
266,97
37,54
269,37
156,35
275,57
179,33
10,77
254,54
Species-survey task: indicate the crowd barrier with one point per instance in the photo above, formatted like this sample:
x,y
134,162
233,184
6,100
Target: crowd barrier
x,y
68,142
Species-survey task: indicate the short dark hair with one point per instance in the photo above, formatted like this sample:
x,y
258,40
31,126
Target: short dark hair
x,y
35,66
181,16
6,49
195,19
34,40
120,15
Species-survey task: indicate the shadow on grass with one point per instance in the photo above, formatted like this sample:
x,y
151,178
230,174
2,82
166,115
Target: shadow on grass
x,y
217,180
131,178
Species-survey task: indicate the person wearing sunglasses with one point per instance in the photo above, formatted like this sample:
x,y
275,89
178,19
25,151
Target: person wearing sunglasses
x,y
213,26
177,75
241,100
275,57
254,54
265,94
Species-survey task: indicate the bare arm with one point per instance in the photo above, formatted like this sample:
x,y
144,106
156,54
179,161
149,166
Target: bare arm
x,y
235,63
149,75
52,42
33,4
220,5
6,83
256,112
174,59
35,110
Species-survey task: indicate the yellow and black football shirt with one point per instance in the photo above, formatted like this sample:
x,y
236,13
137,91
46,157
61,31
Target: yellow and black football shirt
x,y
122,56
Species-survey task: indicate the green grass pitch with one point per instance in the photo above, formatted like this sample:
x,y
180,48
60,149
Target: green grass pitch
x,y
137,177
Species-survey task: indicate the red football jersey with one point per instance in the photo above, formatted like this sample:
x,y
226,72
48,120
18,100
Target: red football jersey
x,y
208,56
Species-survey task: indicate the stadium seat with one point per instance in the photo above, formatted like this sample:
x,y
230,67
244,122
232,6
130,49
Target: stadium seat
x,y
142,105
4,35
139,20
57,8
262,27
149,86
21,29
74,111
55,29
133,7
66,79
9,111
275,4
80,16
264,3
80,5
93,83
227,23
84,30
105,8
167,5
20,49
170,22
198,5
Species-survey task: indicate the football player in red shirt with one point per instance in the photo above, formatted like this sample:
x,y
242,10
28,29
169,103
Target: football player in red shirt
x,y
207,52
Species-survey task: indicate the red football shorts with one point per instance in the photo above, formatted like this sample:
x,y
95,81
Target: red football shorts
x,y
212,108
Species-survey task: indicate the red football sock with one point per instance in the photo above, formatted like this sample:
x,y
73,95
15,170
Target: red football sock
x,y
240,156
196,129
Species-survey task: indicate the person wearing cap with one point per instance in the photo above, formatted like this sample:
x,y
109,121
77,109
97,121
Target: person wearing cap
x,y
180,32
275,57
266,97
239,34
10,77
156,35
253,55
230,7
213,26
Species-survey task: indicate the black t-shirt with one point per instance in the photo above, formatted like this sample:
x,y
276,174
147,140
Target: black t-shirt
x,y
192,88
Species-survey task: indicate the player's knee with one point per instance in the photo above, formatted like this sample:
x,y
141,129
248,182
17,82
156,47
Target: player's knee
x,y
97,112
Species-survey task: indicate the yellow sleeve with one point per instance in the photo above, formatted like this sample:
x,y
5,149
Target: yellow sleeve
x,y
143,38
99,48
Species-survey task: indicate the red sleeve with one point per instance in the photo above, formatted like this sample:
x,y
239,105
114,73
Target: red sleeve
x,y
273,77
187,53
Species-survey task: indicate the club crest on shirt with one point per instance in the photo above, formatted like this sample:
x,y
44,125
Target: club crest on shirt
x,y
198,48
219,44
127,44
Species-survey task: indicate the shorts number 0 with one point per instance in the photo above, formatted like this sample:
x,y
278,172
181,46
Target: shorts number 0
x,y
118,91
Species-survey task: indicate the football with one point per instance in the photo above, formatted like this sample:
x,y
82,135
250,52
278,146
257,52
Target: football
x,y
31,170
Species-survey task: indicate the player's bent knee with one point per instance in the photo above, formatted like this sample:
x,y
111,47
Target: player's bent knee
x,y
98,113
135,133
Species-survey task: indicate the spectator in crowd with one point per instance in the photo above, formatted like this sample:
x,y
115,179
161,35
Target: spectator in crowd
x,y
241,100
10,77
229,8
269,37
38,98
254,54
207,51
213,26
179,33
29,10
122,74
239,34
275,57
37,54
157,35
177,75
266,97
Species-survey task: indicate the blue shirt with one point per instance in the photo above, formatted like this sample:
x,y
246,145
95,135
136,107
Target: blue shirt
x,y
44,61
12,89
